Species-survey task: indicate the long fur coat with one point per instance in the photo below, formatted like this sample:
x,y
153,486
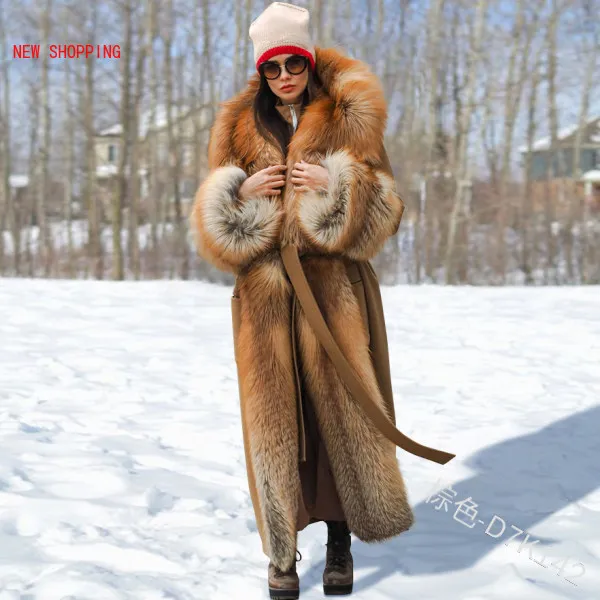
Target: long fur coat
x,y
343,130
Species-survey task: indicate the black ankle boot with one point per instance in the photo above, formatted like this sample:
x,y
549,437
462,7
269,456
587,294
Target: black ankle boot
x,y
339,573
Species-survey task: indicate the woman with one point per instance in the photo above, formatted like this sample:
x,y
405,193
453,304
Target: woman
x,y
299,198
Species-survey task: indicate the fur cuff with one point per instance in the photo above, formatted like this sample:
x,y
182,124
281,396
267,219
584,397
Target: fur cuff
x,y
356,214
231,233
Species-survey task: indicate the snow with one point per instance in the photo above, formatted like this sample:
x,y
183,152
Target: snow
x,y
112,130
481,271
79,230
122,472
18,181
110,170
104,171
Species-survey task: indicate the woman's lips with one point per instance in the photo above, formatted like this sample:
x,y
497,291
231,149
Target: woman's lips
x,y
287,88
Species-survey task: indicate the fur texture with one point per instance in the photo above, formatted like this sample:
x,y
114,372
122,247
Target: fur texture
x,y
232,231
364,463
343,129
359,211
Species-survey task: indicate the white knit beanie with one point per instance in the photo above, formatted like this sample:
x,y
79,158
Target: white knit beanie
x,y
281,28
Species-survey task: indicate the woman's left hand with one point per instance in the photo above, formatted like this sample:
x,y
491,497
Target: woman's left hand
x,y
308,177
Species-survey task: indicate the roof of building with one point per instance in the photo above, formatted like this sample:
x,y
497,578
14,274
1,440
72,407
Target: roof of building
x,y
564,133
147,123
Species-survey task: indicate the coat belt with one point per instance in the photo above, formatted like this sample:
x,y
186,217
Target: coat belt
x,y
293,267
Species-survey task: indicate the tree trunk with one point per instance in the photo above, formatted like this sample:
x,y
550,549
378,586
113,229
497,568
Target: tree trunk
x,y
120,196
31,197
95,251
238,44
207,55
43,198
246,45
12,211
463,166
551,60
527,258
179,233
329,29
512,92
134,209
153,201
316,12
435,18
70,158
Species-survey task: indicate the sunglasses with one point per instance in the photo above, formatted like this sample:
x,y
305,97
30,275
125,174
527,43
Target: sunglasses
x,y
294,65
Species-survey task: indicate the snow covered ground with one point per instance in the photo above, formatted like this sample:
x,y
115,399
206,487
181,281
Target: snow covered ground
x,y
121,464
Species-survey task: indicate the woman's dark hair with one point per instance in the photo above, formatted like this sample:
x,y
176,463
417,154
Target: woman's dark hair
x,y
269,122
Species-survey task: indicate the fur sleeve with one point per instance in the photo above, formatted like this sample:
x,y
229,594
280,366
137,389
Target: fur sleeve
x,y
358,212
231,233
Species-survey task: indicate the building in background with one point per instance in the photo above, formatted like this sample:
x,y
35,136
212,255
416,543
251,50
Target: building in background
x,y
154,168
554,170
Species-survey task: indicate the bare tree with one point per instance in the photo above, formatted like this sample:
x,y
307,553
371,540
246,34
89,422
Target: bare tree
x,y
554,160
527,259
43,186
463,171
179,233
238,44
29,209
207,56
316,10
329,30
69,175
154,201
145,37
460,94
8,209
120,196
522,36
95,250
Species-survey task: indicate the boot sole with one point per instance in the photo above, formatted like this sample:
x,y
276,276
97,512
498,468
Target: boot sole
x,y
337,589
284,594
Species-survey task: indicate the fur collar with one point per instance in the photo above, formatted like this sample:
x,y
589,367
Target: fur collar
x,y
350,113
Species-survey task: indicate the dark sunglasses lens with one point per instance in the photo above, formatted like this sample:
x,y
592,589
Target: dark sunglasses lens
x,y
271,70
296,64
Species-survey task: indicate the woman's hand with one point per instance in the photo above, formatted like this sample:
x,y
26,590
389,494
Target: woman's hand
x,y
307,177
265,182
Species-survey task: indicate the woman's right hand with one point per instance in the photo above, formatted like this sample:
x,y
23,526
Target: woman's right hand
x,y
264,183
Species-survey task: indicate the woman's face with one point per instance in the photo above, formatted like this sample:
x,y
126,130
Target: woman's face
x,y
288,87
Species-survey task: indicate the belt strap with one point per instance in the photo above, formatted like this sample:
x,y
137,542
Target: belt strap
x,y
291,262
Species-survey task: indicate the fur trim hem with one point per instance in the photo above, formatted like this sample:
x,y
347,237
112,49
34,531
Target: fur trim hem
x,y
231,233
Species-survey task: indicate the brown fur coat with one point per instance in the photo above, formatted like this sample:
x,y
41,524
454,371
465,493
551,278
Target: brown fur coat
x,y
343,130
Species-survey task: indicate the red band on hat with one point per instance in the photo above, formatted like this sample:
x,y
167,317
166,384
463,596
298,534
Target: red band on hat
x,y
285,50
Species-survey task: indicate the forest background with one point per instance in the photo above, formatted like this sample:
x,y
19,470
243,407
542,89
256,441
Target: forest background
x,y
100,157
